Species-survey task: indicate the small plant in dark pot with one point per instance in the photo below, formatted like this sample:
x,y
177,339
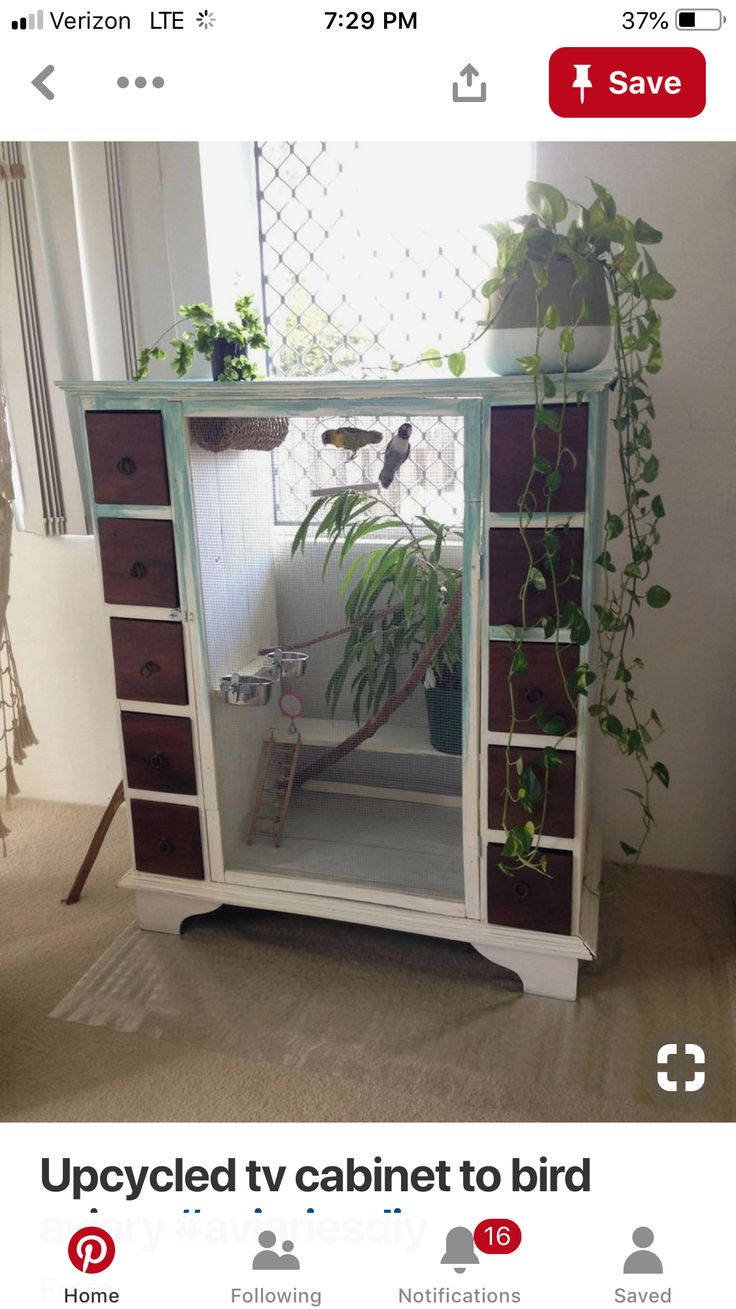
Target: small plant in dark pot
x,y
226,345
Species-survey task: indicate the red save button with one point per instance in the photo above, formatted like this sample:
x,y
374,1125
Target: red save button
x,y
618,82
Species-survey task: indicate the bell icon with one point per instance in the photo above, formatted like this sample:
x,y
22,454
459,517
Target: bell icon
x,y
459,1249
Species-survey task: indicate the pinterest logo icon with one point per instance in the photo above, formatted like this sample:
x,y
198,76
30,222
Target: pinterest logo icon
x,y
91,1250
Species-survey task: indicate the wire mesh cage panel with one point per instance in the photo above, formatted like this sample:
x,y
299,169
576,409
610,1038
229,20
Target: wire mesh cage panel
x,y
300,800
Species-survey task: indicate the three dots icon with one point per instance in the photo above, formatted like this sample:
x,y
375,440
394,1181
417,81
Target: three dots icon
x,y
140,82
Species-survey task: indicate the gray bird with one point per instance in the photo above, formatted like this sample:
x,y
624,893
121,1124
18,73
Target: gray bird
x,y
397,453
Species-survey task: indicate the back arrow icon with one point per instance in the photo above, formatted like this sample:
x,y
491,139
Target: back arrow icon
x,y
40,79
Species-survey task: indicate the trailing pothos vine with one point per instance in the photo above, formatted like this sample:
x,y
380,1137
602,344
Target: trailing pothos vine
x,y
595,235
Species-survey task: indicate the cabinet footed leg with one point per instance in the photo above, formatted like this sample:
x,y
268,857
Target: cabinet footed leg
x,y
163,911
541,974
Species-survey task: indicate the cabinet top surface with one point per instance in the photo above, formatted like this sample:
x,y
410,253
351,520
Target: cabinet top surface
x,y
205,394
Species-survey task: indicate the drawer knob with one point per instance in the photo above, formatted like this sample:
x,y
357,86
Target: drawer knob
x,y
533,696
149,668
165,845
158,761
138,569
521,889
126,465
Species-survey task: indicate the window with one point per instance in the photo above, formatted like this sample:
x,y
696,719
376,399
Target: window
x,y
371,253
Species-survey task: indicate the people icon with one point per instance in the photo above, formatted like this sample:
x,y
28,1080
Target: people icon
x,y
269,1258
643,1260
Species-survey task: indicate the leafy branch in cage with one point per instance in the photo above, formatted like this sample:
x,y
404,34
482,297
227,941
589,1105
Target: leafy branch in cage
x,y
398,596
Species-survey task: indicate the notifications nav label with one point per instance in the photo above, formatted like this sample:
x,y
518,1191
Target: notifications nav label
x,y
618,82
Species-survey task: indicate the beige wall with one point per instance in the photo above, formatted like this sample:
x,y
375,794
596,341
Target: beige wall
x,y
690,191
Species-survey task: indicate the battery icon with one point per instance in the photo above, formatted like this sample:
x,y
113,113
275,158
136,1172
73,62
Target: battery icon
x,y
699,20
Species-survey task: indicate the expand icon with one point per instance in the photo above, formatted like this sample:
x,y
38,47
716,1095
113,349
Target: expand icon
x,y
681,1067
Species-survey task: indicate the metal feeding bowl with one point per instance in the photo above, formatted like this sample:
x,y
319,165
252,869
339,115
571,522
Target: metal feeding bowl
x,y
240,689
293,663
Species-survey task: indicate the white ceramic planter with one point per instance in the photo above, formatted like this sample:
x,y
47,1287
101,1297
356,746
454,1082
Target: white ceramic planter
x,y
513,315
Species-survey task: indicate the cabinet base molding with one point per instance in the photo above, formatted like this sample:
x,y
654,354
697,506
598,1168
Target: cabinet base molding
x,y
541,974
162,911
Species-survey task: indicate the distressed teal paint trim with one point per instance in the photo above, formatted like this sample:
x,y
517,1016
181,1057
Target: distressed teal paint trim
x,y
181,503
504,390
84,466
132,511
472,529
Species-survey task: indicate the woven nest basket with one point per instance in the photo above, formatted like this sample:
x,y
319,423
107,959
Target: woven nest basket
x,y
218,434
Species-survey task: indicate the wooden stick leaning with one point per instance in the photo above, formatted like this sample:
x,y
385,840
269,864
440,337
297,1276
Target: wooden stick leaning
x,y
394,702
340,631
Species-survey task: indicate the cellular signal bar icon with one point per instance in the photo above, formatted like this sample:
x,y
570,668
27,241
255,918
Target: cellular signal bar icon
x,y
33,23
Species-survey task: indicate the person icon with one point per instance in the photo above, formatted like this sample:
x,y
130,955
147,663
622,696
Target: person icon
x,y
288,1260
643,1260
267,1257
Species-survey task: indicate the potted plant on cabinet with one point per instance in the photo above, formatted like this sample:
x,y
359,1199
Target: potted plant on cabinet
x,y
227,346
544,300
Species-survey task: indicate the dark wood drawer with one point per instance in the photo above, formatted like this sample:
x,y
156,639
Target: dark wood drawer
x,y
508,564
128,458
531,901
167,839
149,660
138,562
159,753
541,686
560,812
512,453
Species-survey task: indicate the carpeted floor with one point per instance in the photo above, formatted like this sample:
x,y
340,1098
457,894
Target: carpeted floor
x,y
254,1016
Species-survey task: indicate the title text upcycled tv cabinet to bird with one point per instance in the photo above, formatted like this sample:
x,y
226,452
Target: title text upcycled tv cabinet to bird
x,y
199,582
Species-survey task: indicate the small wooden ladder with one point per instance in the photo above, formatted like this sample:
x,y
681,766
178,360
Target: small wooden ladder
x,y
274,787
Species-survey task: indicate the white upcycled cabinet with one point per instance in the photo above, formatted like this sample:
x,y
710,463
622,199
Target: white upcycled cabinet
x,y
191,565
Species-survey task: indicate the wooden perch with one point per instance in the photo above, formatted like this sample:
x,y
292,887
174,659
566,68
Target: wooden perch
x,y
356,486
375,617
394,702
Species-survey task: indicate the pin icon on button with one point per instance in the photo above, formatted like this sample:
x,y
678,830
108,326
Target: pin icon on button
x,y
40,79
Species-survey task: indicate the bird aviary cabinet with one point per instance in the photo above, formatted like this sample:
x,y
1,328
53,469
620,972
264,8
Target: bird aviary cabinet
x,y
238,659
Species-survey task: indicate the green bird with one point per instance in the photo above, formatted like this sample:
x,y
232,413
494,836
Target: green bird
x,y
350,438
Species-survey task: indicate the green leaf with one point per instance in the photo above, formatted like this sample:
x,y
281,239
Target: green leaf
x,y
554,726
662,772
431,357
546,202
541,465
614,526
656,287
550,758
509,631
519,664
657,506
645,234
606,199
553,480
549,387
605,561
611,725
531,364
456,363
567,341
651,469
537,580
539,273
658,597
628,849
551,317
